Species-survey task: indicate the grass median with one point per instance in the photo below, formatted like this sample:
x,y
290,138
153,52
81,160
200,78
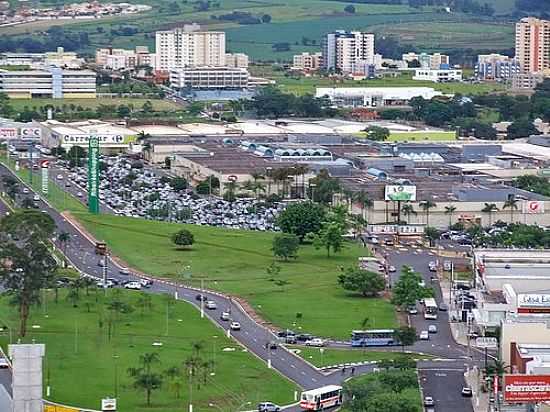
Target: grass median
x,y
235,262
322,357
83,364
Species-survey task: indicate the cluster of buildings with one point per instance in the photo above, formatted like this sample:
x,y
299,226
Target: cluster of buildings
x,y
85,10
531,62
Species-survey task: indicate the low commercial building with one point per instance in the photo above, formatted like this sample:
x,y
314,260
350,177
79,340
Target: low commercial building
x,y
374,96
438,75
496,66
53,82
58,58
307,62
236,60
121,59
427,61
209,78
112,138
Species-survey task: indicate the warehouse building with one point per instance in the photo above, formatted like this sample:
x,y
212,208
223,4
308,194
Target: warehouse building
x,y
374,96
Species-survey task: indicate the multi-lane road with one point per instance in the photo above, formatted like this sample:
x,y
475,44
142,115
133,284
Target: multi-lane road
x,y
441,379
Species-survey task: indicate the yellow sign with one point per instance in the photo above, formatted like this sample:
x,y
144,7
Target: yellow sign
x,y
59,408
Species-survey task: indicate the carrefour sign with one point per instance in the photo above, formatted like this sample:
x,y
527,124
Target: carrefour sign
x,y
534,300
103,139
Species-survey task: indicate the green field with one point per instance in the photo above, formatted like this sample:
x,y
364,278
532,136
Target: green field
x,y
84,365
235,262
158,104
422,136
330,357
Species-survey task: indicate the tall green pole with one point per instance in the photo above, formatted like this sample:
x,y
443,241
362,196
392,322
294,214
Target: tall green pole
x,y
93,175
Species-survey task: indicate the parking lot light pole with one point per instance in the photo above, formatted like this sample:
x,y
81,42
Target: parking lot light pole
x,y
202,298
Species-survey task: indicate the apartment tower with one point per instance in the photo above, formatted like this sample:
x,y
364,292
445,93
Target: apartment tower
x,y
343,51
533,44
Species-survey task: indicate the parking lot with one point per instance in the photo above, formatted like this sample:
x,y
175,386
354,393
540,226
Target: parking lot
x,y
127,188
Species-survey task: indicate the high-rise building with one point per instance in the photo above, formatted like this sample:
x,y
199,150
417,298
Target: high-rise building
x,y
187,47
533,44
343,50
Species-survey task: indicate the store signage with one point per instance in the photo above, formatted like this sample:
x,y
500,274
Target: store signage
x,y
486,342
527,388
108,404
103,139
44,166
93,176
30,132
400,193
534,300
8,133
533,207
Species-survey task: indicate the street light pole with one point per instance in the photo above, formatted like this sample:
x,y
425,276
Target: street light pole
x,y
202,298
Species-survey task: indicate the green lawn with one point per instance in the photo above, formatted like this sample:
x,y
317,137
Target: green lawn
x,y
422,136
82,362
235,262
158,104
329,357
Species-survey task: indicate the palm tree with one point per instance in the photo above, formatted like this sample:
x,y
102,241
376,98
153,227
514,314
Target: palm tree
x,y
449,210
426,205
408,210
301,170
143,136
490,208
512,204
348,196
364,201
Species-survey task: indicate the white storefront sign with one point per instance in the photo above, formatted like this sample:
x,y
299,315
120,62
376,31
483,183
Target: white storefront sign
x,y
83,139
30,132
533,300
108,404
486,342
533,207
8,133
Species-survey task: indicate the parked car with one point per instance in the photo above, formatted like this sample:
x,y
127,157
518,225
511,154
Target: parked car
x,y
429,401
268,407
304,337
36,198
290,339
443,307
467,392
392,269
389,242
412,310
424,335
286,332
133,285
146,283
316,342
432,329
210,304
225,316
108,284
4,363
235,326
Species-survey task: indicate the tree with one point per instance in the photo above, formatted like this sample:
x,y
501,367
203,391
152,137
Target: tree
x,y
407,209
301,218
350,9
364,201
144,378
147,107
330,236
178,184
266,18
64,239
405,335
285,246
521,128
408,290
432,234
426,205
174,376
490,208
183,238
27,265
123,111
363,281
449,210
512,204
27,203
377,133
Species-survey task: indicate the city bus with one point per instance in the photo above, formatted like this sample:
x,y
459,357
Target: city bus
x,y
373,337
321,398
430,308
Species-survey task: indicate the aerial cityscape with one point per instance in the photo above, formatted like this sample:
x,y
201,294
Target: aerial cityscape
x,y
252,205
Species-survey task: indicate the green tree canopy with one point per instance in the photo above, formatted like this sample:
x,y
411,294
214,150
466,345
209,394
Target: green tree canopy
x,y
285,245
183,238
301,218
365,282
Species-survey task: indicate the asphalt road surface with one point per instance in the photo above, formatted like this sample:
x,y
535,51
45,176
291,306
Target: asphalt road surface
x,y
445,389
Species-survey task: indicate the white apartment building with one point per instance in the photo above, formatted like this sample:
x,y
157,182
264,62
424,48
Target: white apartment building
x,y
208,78
120,59
438,76
53,82
186,47
533,44
236,60
427,61
343,50
496,66
307,61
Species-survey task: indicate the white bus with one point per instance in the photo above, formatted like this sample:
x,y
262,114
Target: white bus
x,y
321,398
430,308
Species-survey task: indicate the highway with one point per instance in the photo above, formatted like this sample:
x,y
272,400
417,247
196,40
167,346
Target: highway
x,y
80,252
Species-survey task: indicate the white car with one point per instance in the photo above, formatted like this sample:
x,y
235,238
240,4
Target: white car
x,y
315,342
60,177
392,269
4,363
79,194
133,285
432,329
25,190
235,326
210,304
36,198
124,271
108,284
424,335
225,316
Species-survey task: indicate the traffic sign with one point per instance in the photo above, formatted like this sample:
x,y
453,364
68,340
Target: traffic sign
x,y
486,342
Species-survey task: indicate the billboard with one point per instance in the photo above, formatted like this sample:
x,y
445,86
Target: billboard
x,y
526,388
400,193
537,300
30,132
533,207
8,133
103,139
93,175
44,166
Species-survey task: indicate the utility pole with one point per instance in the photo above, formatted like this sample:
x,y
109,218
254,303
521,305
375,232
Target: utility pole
x,y
202,300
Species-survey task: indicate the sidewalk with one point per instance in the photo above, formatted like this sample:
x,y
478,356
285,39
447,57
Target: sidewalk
x,y
480,400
